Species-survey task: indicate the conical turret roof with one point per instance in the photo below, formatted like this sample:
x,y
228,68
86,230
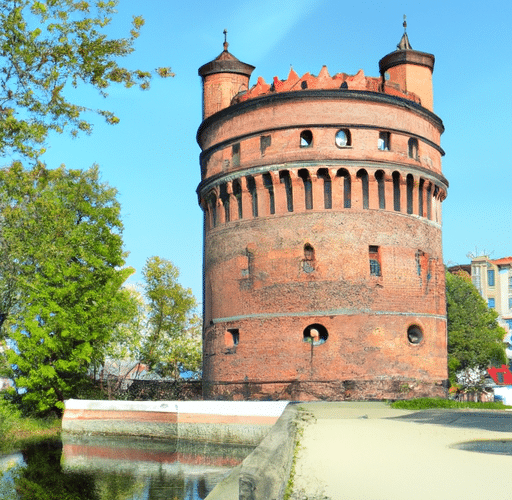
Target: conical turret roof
x,y
226,62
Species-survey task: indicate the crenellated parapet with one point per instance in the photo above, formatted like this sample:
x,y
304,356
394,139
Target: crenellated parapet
x,y
340,81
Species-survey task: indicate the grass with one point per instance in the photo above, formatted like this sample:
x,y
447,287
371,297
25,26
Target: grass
x,y
17,431
428,403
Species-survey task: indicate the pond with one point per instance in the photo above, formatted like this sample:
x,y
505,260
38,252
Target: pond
x,y
100,468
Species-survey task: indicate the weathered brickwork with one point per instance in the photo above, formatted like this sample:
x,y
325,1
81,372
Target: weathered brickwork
x,y
323,271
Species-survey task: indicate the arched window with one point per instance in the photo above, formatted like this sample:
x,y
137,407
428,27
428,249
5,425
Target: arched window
x,y
323,174
237,192
396,191
308,188
363,175
347,187
413,148
420,197
308,263
224,197
429,201
284,178
251,187
379,176
410,187
267,182
212,206
342,138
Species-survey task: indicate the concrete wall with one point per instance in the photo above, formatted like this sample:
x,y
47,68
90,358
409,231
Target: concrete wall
x,y
212,421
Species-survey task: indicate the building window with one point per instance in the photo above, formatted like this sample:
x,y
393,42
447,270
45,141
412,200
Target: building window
x,y
323,174
510,303
510,282
490,277
413,148
251,187
347,189
342,138
373,254
379,175
265,141
308,264
308,188
315,334
414,334
396,191
284,178
267,183
235,155
237,192
491,303
363,175
384,139
306,139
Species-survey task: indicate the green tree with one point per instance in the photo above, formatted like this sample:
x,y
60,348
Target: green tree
x,y
475,340
61,233
47,48
172,340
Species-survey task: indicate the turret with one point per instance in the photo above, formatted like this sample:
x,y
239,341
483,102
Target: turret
x,y
410,69
223,78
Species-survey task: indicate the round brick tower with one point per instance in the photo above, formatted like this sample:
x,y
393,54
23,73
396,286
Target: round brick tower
x,y
323,270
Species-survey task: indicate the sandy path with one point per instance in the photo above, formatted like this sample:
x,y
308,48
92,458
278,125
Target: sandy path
x,y
347,457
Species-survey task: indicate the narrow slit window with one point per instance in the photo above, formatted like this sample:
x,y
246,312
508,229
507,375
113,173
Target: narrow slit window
x,y
308,188
267,182
396,191
410,187
363,175
251,186
374,257
413,148
237,193
235,155
224,197
379,176
284,178
323,174
347,187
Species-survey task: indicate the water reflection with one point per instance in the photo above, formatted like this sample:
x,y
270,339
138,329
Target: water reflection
x,y
96,468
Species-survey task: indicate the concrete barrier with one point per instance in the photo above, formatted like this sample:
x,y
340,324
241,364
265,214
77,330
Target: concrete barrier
x,y
244,422
264,474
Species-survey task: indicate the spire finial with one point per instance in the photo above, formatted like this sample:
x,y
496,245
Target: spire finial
x,y
225,40
404,42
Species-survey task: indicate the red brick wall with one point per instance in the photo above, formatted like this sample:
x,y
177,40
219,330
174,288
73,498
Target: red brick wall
x,y
270,277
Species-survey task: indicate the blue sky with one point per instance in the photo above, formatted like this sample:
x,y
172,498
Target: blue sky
x,y
151,156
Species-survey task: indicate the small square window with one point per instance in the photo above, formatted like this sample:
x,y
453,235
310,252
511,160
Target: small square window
x,y
491,303
384,139
306,139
